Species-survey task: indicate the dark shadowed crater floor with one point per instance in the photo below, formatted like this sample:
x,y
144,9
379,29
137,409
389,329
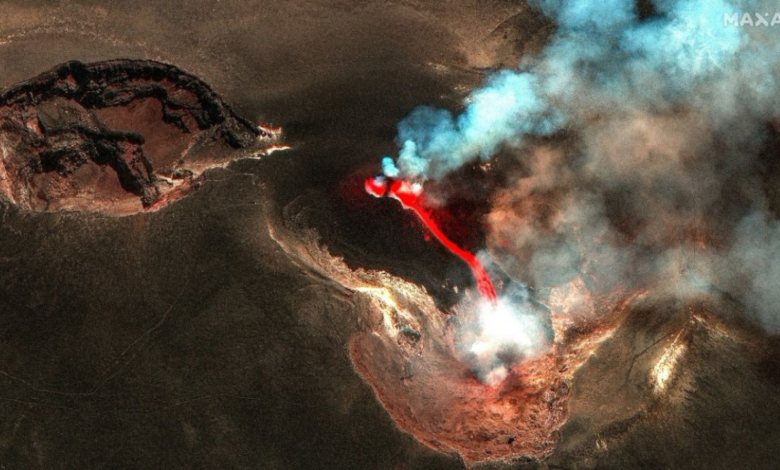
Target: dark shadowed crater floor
x,y
188,337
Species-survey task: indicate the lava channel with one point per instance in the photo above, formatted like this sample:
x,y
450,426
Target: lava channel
x,y
409,197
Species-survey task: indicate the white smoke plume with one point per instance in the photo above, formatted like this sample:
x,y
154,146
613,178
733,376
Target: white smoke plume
x,y
641,151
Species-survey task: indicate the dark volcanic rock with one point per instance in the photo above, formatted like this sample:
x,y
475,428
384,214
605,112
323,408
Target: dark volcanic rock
x,y
116,137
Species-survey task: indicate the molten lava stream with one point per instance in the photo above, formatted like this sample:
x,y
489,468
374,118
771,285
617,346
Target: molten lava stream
x,y
410,200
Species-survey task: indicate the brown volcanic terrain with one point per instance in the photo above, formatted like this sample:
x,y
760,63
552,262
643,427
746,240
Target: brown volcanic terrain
x,y
115,137
190,338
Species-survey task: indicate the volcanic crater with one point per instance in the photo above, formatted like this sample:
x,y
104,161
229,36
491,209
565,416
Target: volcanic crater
x,y
116,137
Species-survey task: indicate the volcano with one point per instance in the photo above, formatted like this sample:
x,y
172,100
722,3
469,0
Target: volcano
x,y
176,293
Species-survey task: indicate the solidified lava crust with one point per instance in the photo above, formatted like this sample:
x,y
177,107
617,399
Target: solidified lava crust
x,y
116,137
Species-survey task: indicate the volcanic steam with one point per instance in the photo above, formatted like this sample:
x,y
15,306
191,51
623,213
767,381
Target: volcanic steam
x,y
636,155
634,150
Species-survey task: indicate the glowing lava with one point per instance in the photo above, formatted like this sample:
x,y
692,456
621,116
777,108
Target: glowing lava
x,y
409,196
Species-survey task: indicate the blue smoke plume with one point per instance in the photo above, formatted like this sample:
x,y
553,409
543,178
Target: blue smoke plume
x,y
661,179
603,59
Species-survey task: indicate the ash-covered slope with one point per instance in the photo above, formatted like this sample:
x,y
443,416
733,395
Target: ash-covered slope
x,y
116,137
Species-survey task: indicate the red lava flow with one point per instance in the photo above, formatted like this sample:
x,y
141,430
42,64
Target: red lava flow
x,y
409,197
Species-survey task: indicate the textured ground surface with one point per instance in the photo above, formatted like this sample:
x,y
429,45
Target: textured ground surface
x,y
189,338
116,137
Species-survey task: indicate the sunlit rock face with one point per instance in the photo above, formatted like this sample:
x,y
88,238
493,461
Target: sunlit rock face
x,y
116,137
